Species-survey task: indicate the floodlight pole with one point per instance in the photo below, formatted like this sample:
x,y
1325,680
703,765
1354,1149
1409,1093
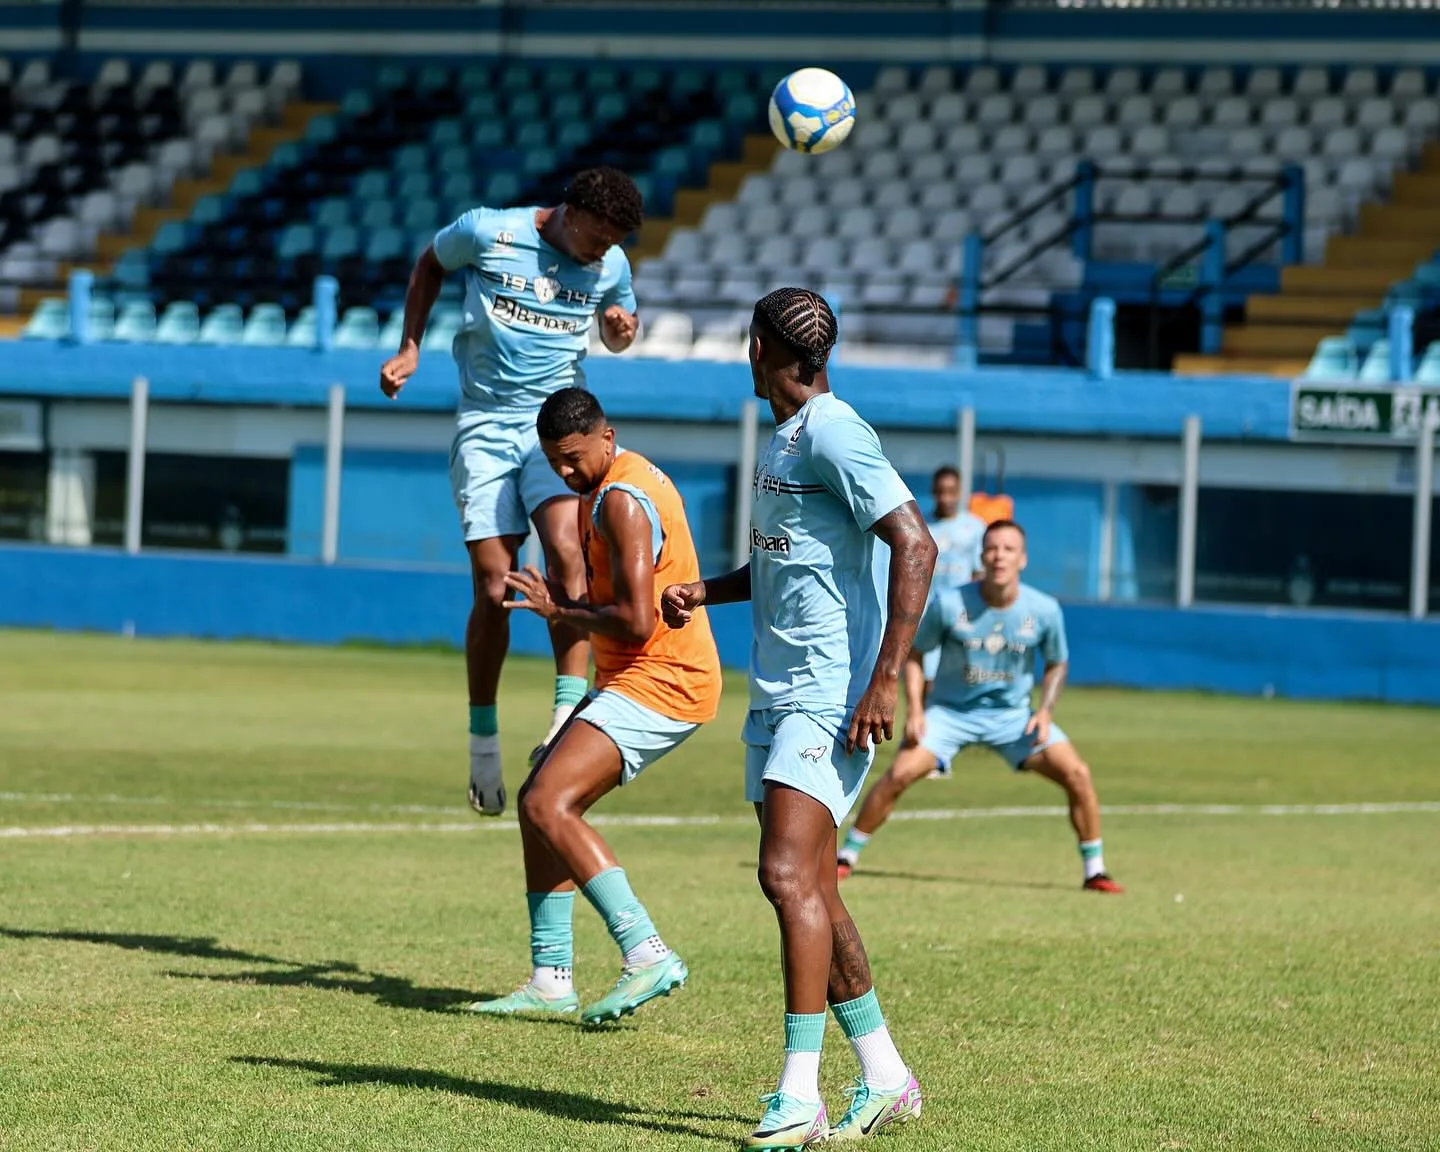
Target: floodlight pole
x,y
744,480
135,472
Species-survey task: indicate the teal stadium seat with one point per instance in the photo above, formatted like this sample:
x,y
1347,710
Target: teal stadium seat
x,y
392,77
539,161
49,321
646,80
708,135
455,160
358,328
729,81
559,78
744,108
534,134
322,130
433,78
179,324
171,237
475,78
458,186
502,189
1376,368
132,270
412,186
247,182
573,136
332,213
373,185
208,210
102,318
446,134
602,79
356,103
412,158
421,216
377,214
516,77
1335,358
384,244
610,107
394,330
482,106
444,324
489,134
524,106
302,332
224,325
568,106
136,323
264,327
296,240
1428,370
340,243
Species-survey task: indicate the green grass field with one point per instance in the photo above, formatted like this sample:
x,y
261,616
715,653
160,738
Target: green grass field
x,y
241,899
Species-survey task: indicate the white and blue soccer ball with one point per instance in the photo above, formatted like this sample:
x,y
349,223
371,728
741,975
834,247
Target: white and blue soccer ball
x,y
812,110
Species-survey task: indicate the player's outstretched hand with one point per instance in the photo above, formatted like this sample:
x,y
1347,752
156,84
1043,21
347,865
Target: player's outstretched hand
x,y
874,718
679,601
540,594
620,325
398,369
1039,727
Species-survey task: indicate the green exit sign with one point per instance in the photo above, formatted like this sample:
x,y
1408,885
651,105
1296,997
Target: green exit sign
x,y
1388,414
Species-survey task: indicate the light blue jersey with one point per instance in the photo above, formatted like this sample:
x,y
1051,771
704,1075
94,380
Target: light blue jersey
x,y
987,655
958,540
817,588
528,309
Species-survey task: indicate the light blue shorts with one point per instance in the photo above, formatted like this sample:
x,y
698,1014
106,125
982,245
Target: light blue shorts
x,y
806,751
499,476
948,731
642,734
930,661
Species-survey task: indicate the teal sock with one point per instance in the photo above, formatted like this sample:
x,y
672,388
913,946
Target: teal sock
x,y
855,842
552,938
570,690
483,721
630,925
804,1031
859,1017
1092,852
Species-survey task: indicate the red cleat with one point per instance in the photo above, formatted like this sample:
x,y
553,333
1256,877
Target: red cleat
x,y
843,868
1102,883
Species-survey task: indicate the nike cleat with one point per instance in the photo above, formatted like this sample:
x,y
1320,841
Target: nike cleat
x,y
638,986
870,1110
788,1123
527,1000
1101,882
487,784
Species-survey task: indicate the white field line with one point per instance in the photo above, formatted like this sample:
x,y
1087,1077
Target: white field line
x,y
70,831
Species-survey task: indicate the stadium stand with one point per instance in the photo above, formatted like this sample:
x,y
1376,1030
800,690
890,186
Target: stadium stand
x,y
227,239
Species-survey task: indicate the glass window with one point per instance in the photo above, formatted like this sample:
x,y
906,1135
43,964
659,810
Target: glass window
x,y
23,480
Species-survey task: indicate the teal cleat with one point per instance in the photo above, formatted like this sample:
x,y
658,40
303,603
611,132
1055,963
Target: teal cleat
x,y
788,1123
635,987
527,1001
870,1110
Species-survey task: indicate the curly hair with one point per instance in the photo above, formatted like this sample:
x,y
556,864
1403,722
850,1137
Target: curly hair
x,y
803,321
569,412
609,194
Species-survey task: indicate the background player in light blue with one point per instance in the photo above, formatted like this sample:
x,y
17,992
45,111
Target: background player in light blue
x,y
831,634
535,280
957,532
988,633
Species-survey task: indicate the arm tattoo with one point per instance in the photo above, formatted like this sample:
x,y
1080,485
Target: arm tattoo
x,y
912,563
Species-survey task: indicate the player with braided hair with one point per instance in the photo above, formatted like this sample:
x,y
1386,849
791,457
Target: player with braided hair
x,y
535,281
830,640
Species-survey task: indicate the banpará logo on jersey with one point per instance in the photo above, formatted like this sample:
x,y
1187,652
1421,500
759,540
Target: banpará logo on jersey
x,y
975,675
778,544
511,311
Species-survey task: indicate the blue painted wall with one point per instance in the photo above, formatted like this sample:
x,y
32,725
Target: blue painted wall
x,y
1310,655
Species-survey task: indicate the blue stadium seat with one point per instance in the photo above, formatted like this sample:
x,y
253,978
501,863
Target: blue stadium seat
x,y
373,185
264,327
709,135
729,81
1335,358
433,78
569,106
1376,368
525,106
412,158
482,106
458,186
446,134
394,330
646,79
474,78
136,323
455,160
132,270
209,210
385,244
392,77
516,77
539,161
180,324
172,237
534,134
573,136
356,104
602,79
247,182
413,185
1428,370
489,134
610,106
559,78
358,328
502,189
444,324
296,240
102,318
224,325
302,332
322,130
744,108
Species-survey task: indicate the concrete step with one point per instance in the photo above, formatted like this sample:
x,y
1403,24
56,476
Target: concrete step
x,y
1330,310
1416,189
722,182
1195,364
1395,221
1374,252
1320,280
1277,341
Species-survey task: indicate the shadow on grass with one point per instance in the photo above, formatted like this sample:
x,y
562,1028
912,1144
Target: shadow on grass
x,y
561,1105
333,975
946,878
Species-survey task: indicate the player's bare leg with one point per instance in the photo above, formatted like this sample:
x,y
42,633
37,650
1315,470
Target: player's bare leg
x,y
911,764
1062,764
556,526
487,639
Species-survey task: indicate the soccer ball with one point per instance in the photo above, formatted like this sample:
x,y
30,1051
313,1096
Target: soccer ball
x,y
812,110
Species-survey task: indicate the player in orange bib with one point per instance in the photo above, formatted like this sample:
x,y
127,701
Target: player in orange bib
x,y
654,686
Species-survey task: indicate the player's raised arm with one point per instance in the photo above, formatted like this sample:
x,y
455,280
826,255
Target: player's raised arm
x,y
426,280
619,323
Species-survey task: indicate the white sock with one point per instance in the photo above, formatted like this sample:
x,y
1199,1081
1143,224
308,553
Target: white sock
x,y
800,1076
484,745
649,951
562,714
880,1061
1094,857
553,982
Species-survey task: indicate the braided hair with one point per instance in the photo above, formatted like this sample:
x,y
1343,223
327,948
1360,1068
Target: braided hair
x,y
803,322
